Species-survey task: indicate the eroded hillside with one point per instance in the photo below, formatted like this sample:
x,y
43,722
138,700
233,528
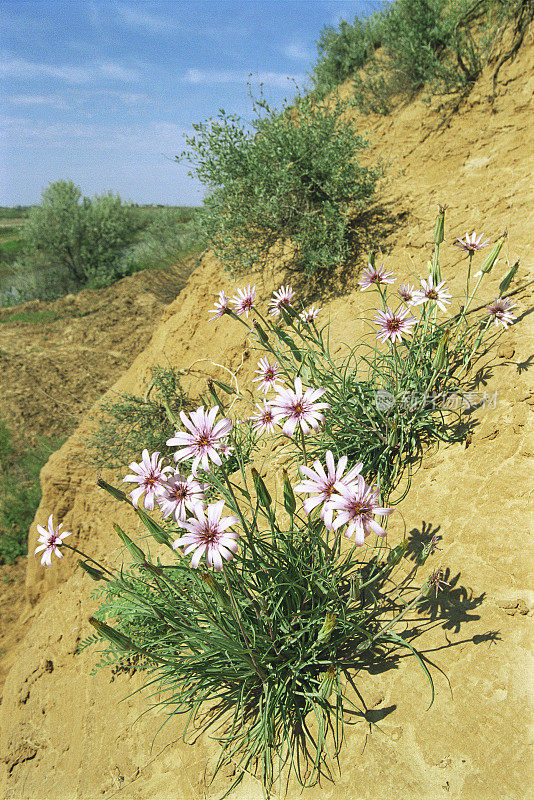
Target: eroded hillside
x,y
68,734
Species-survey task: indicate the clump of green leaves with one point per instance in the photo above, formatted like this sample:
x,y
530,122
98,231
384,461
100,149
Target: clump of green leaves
x,y
439,45
291,175
84,236
130,423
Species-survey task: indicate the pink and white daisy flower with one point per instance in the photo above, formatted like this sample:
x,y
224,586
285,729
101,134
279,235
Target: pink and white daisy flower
x,y
281,298
373,276
500,310
356,504
263,419
268,374
393,324
203,442
150,475
323,484
434,294
243,301
471,243
50,541
310,314
208,534
179,495
407,293
299,407
221,306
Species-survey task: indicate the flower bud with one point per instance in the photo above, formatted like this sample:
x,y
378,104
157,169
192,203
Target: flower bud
x,y
439,228
487,266
223,599
156,531
135,551
114,636
116,493
290,502
261,333
441,353
95,574
264,498
508,278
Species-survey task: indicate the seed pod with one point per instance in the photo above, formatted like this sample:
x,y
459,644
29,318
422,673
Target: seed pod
x,y
290,502
508,278
95,574
264,498
135,551
487,266
114,636
153,569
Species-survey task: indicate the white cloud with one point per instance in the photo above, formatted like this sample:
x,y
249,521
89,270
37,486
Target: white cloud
x,y
277,80
21,68
299,51
51,100
139,19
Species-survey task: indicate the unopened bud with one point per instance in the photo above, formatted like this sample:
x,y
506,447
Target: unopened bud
x,y
112,635
487,266
261,333
508,278
221,596
290,502
264,498
439,228
441,353
137,554
95,574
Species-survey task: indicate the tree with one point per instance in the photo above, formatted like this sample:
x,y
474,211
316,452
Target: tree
x,y
85,236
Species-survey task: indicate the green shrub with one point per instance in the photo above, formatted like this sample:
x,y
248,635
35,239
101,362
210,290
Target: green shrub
x,y
86,237
343,51
130,423
292,175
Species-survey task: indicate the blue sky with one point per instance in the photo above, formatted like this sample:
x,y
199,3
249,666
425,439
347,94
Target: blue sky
x,y
102,92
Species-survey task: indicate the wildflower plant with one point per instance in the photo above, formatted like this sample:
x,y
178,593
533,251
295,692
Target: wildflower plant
x,y
254,614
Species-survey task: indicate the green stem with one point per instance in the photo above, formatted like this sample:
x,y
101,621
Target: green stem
x,y
238,620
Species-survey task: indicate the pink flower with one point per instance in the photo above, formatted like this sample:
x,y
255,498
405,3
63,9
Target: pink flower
x,y
393,324
50,541
150,475
500,311
179,495
263,420
471,243
356,505
209,535
221,306
282,297
243,301
310,314
268,374
407,293
429,292
203,442
322,484
372,276
299,408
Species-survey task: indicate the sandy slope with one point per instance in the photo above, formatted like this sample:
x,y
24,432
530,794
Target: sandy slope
x,y
66,735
